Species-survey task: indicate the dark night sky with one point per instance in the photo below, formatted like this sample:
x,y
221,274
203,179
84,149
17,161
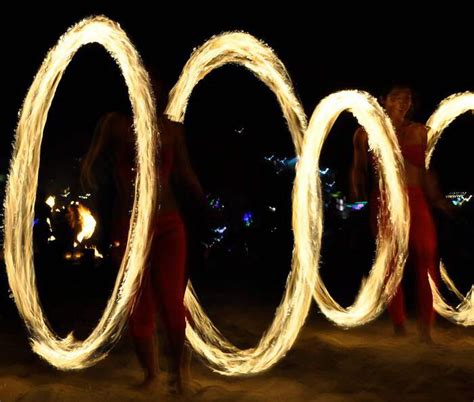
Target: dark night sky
x,y
323,52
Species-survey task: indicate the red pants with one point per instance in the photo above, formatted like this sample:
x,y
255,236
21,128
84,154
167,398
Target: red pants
x,y
164,284
422,255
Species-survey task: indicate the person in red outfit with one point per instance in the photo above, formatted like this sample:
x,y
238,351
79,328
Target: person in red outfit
x,y
423,194
161,295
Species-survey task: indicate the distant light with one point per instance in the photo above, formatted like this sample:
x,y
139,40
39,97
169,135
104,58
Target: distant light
x,y
50,201
247,218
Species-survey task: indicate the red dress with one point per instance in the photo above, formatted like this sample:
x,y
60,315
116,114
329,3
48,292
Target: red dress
x,y
423,253
165,279
164,282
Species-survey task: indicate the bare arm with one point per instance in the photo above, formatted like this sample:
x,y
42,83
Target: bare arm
x,y
431,185
435,197
359,170
183,172
432,189
102,138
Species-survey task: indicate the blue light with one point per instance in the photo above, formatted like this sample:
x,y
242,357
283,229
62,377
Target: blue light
x,y
220,230
247,218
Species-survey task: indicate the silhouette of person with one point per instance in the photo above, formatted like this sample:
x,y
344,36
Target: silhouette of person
x,y
165,279
423,194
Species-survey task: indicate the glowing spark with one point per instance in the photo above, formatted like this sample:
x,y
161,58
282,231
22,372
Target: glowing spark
x,y
245,50
323,172
20,197
50,201
220,230
392,238
87,223
447,111
97,254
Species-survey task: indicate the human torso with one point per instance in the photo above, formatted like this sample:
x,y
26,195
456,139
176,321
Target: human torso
x,y
125,166
413,148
